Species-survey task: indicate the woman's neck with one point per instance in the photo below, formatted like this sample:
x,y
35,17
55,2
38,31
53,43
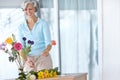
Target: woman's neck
x,y
31,22
32,19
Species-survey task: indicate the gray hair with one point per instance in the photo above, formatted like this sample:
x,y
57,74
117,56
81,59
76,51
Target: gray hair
x,y
34,2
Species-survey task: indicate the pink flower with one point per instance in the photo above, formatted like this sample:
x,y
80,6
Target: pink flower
x,y
17,46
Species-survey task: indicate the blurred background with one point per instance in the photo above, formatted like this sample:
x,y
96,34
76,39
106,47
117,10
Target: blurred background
x,y
86,33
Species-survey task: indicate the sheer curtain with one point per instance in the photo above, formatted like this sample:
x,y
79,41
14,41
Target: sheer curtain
x,y
78,34
77,48
47,12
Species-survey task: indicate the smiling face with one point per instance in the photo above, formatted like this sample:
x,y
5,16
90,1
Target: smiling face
x,y
30,10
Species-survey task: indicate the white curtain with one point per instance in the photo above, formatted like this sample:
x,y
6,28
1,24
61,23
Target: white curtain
x,y
47,12
78,37
77,49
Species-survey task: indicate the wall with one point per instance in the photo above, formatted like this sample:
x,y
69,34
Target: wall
x,y
111,40
10,3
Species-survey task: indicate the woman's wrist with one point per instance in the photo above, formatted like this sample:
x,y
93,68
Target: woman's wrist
x,y
49,47
46,50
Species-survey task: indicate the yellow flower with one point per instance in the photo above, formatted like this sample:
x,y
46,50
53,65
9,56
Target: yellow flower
x,y
51,74
9,40
46,73
40,75
55,74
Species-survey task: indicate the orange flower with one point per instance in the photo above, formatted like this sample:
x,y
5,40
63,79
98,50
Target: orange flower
x,y
53,42
9,40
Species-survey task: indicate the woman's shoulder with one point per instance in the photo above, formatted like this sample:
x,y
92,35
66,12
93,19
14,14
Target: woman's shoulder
x,y
22,24
42,21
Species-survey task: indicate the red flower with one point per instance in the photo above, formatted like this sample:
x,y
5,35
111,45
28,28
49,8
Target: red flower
x,y
17,46
53,42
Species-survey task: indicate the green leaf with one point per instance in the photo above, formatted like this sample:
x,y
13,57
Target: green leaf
x,y
28,49
13,36
56,68
11,59
24,44
14,53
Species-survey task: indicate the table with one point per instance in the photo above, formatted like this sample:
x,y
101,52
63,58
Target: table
x,y
70,76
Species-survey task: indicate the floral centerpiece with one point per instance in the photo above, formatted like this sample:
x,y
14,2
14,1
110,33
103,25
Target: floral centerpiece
x,y
18,53
42,74
13,48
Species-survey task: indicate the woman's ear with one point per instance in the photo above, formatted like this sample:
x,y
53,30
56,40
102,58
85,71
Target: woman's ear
x,y
35,9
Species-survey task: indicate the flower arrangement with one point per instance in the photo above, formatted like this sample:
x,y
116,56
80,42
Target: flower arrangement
x,y
12,47
42,74
26,49
18,53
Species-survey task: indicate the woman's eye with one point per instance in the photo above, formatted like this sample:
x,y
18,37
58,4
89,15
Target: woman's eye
x,y
27,9
30,9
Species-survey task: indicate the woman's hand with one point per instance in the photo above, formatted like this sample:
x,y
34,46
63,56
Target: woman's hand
x,y
46,51
30,63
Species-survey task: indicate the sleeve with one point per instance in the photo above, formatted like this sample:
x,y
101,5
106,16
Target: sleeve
x,y
47,35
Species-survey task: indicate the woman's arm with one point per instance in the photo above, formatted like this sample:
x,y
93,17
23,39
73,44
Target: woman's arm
x,y
47,50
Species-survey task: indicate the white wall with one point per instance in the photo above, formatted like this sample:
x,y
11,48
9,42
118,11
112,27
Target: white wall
x,y
111,39
10,3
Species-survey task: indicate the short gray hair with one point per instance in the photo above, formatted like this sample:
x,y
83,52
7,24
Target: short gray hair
x,y
34,2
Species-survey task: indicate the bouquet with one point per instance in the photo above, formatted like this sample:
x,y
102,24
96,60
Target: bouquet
x,y
16,51
26,49
42,74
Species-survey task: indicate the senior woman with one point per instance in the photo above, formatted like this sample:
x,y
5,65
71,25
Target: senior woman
x,y
37,30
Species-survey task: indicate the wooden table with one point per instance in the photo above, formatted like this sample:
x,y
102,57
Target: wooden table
x,y
76,76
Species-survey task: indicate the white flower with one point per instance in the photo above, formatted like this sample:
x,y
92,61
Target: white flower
x,y
32,77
